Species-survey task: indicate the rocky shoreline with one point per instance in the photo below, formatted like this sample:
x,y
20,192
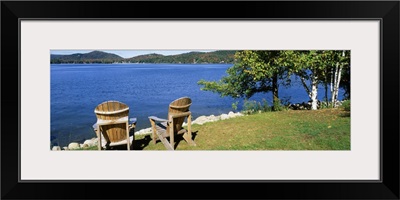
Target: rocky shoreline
x,y
147,131
307,105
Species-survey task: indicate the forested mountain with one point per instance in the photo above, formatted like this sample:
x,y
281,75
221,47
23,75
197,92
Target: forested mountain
x,y
91,57
102,57
191,57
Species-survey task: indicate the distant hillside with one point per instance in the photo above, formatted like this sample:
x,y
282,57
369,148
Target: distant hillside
x,y
102,57
191,57
52,56
92,57
145,58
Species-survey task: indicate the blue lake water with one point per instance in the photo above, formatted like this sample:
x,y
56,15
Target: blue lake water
x,y
76,89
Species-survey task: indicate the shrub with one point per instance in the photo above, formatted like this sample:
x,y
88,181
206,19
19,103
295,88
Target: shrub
x,y
235,105
250,107
325,104
277,104
346,105
265,107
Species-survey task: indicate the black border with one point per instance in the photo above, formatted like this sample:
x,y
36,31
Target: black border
x,y
386,11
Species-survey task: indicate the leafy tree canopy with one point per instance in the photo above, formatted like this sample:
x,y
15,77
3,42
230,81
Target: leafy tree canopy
x,y
254,71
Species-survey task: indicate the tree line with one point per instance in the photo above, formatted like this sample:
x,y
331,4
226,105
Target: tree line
x,y
221,56
258,71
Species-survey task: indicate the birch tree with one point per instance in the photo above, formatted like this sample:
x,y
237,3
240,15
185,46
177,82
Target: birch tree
x,y
310,67
341,60
264,71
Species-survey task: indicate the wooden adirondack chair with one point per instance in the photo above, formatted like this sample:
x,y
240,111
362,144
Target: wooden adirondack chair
x,y
177,112
112,123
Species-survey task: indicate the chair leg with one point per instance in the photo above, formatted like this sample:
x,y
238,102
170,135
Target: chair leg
x,y
127,137
153,127
188,133
98,138
189,121
171,133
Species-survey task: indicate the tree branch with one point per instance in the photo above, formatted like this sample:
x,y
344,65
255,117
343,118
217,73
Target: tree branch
x,y
303,81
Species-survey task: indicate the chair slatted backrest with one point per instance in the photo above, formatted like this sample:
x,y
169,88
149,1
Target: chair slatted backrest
x,y
178,106
113,110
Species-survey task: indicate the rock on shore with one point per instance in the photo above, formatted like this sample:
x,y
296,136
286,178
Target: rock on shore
x,y
307,105
74,145
204,119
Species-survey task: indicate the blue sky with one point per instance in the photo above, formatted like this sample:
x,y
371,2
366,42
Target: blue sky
x,y
126,53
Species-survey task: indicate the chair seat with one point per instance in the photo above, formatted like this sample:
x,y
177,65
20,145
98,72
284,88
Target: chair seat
x,y
162,129
122,142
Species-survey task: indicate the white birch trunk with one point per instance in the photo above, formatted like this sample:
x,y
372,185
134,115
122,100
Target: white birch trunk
x,y
337,85
312,93
338,74
334,84
314,89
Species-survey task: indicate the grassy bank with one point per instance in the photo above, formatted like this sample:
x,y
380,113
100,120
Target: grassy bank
x,y
326,129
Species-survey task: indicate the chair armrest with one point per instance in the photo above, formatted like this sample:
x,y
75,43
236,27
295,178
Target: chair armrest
x,y
133,120
158,119
95,126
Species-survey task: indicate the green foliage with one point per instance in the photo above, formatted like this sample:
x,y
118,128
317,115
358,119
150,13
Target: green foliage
x,y
253,72
345,82
316,66
264,64
346,105
252,107
277,105
259,71
236,84
264,106
235,105
325,105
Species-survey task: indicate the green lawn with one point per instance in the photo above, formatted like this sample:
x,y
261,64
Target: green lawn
x,y
325,129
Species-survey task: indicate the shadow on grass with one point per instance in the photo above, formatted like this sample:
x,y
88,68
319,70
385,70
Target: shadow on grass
x,y
137,144
345,114
140,144
179,138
